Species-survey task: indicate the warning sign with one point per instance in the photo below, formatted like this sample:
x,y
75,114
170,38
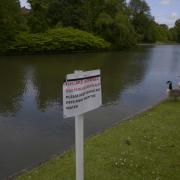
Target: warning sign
x,y
81,93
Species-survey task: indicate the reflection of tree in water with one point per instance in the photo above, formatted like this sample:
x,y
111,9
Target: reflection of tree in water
x,y
123,70
49,75
12,86
48,83
118,71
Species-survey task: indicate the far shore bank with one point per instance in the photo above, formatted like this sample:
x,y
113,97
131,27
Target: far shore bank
x,y
84,51
158,43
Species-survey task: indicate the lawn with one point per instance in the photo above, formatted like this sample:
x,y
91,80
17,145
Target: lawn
x,y
146,146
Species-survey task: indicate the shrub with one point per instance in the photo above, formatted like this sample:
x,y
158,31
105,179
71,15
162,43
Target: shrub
x,y
57,40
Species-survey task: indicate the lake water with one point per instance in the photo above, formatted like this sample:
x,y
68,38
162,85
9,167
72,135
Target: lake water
x,y
32,127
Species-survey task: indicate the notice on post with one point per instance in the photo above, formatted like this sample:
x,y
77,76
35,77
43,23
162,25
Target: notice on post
x,y
81,93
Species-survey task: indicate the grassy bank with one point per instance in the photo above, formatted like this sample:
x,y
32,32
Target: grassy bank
x,y
144,147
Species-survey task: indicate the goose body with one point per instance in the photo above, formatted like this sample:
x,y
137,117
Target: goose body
x,y
175,93
179,85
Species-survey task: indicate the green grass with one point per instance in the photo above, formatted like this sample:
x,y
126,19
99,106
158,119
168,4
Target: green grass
x,y
144,147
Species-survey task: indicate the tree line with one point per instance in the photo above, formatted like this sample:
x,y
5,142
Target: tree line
x,y
117,22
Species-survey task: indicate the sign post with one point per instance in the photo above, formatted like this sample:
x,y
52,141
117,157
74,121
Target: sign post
x,y
81,93
79,135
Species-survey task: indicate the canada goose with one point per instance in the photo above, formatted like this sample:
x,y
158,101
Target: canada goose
x,y
179,83
175,93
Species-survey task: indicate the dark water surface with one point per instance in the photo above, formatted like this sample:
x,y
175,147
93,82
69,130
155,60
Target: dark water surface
x,y
31,124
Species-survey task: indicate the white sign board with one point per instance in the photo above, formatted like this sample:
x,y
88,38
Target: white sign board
x,y
81,93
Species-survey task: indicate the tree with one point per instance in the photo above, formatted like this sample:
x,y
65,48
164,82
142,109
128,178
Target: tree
x,y
163,33
108,19
143,22
177,23
66,13
92,10
139,7
177,26
173,33
37,20
45,14
10,21
117,30
124,35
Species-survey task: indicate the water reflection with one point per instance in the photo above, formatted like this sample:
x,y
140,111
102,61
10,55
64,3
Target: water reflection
x,y
47,74
48,78
12,85
120,72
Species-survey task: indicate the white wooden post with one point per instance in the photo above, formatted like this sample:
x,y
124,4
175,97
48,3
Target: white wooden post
x,y
79,134
79,139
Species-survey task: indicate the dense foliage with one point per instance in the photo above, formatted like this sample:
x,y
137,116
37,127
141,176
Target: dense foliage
x,y
122,24
57,40
177,27
109,20
11,21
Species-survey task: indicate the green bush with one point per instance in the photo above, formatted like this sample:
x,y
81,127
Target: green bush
x,y
57,40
